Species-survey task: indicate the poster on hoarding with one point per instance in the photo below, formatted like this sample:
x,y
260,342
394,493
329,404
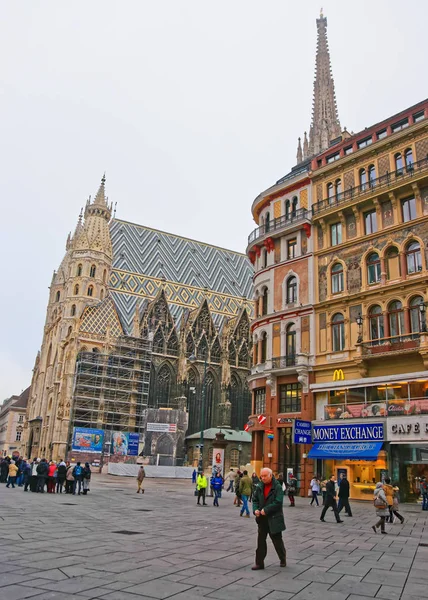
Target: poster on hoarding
x,y
162,427
218,461
87,440
124,444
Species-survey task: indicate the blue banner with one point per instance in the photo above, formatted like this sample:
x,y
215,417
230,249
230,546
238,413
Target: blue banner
x,y
124,443
302,432
359,432
349,451
87,440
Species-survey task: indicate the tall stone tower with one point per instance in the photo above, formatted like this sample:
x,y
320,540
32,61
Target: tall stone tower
x,y
81,280
325,124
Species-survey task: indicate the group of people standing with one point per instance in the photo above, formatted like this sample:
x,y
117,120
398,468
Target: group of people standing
x,y
40,474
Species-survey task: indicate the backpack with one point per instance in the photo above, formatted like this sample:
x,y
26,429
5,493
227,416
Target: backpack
x,y
77,471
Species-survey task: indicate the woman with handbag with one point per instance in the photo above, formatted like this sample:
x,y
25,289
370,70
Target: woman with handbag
x,y
381,507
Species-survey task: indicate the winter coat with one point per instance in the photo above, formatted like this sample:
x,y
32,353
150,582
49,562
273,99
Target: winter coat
x,y
315,485
389,493
216,482
292,486
381,512
86,473
13,470
62,471
51,470
34,466
201,482
330,489
245,486
272,505
69,475
141,474
344,489
254,481
42,469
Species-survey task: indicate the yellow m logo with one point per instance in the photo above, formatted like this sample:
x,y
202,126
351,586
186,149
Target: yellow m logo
x,y
338,375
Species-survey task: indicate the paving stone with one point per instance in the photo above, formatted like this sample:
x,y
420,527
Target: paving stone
x,y
159,589
320,575
282,583
385,577
17,592
318,591
415,589
239,593
353,585
389,593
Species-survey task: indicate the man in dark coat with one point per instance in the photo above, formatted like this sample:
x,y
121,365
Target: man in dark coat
x,y
267,508
344,497
42,475
330,500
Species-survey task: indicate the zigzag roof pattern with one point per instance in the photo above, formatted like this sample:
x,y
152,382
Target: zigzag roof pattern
x,y
145,259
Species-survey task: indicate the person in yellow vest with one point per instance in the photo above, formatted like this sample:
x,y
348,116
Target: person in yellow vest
x,y
201,486
13,470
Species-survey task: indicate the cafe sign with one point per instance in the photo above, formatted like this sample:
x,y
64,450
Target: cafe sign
x,y
408,429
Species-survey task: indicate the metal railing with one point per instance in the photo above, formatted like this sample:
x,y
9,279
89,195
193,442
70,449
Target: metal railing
x,y
391,344
281,362
384,181
279,223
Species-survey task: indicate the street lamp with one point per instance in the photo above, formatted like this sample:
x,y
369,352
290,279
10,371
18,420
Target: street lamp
x,y
239,455
422,310
192,360
359,321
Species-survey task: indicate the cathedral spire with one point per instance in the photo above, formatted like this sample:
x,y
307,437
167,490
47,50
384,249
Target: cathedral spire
x,y
325,125
100,198
299,156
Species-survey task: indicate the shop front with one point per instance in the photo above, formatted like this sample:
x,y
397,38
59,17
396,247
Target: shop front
x,y
354,450
408,442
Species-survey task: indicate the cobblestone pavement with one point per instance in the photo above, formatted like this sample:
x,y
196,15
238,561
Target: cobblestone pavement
x,y
75,547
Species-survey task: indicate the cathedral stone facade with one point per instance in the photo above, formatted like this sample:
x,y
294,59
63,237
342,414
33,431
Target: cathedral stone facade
x,y
138,321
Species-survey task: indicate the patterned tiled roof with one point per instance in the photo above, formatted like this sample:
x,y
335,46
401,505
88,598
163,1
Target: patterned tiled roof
x,y
144,260
97,318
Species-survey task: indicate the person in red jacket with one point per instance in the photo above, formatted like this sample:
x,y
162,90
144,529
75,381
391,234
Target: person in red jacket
x,y
51,477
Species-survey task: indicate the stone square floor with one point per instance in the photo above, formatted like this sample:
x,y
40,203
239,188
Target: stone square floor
x,y
118,545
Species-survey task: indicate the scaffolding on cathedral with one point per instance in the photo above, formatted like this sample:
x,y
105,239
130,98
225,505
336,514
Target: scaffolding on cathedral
x,y
111,389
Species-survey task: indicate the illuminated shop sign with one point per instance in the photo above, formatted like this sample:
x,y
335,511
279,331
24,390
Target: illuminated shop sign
x,y
360,432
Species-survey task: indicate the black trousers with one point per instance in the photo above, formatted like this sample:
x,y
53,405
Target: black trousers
x,y
41,481
330,503
201,494
276,538
33,483
344,503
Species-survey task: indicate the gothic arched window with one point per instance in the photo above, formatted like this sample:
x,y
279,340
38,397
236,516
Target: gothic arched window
x,y
79,270
232,353
91,290
158,341
190,345
216,351
163,387
172,346
73,310
92,271
203,348
57,296
76,289
243,356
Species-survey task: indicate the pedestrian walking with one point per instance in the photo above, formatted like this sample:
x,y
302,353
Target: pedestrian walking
x,y
245,487
13,470
396,504
216,485
78,475
140,479
424,493
194,476
201,486
69,479
389,493
254,481
33,478
292,489
344,493
60,476
230,477
381,507
42,473
51,482
330,500
315,489
86,478
324,490
4,469
26,471
268,499
20,475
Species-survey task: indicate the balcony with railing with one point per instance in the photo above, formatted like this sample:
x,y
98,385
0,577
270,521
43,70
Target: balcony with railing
x,y
374,185
395,344
281,363
279,224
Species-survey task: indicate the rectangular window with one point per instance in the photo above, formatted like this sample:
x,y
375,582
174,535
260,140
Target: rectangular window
x,y
291,248
333,157
370,222
21,419
18,436
366,142
419,116
381,134
400,125
259,401
408,206
349,150
290,398
336,234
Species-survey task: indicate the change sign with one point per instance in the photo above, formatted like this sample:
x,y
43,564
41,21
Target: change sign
x,y
302,432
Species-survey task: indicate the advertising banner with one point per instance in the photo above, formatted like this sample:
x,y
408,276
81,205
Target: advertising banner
x,y
354,411
400,407
162,427
302,432
218,461
124,443
359,432
87,440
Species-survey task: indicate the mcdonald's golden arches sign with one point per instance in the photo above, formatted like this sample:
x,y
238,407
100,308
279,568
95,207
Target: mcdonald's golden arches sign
x,y
338,375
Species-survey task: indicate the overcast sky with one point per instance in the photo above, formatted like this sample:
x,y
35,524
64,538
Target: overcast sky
x,y
191,107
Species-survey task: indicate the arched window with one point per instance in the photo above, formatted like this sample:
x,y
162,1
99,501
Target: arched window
x,y
338,188
398,159
92,271
338,332
264,347
79,270
202,352
287,209
90,290
57,296
190,345
158,341
290,344
232,353
393,263
330,192
415,314
294,207
265,301
234,458
172,345
376,323
102,295
372,175
291,290
408,157
267,222
413,258
105,275
264,258
373,268
362,178
70,329
243,356
337,284
163,387
396,318
76,289
73,310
